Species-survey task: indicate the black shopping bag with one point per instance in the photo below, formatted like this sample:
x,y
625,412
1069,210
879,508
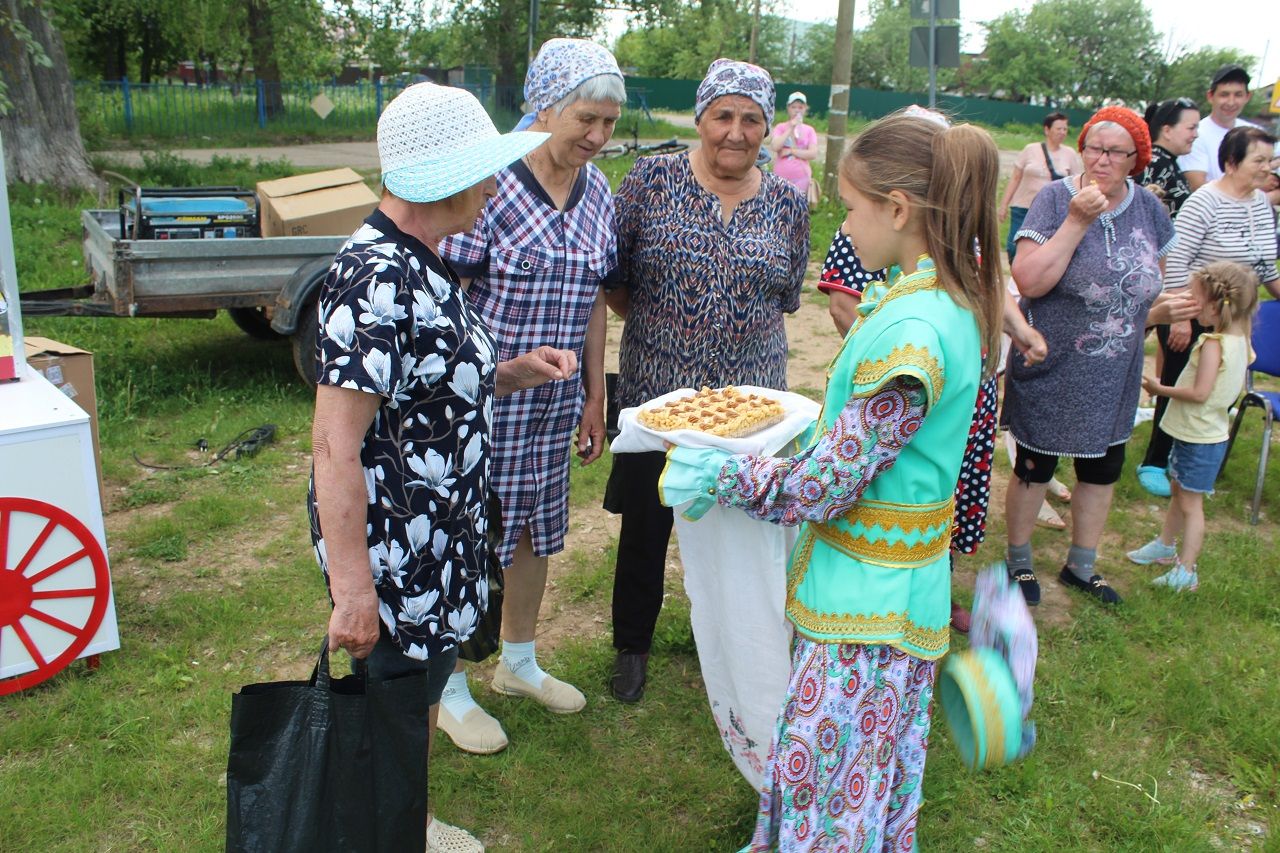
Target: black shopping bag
x,y
329,765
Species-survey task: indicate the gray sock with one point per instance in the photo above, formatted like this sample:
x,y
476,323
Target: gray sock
x,y
1018,558
1080,561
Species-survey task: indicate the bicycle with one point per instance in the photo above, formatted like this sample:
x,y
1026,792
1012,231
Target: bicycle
x,y
669,146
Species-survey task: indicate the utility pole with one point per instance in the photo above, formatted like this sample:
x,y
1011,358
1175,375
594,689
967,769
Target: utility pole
x,y
838,109
533,26
755,32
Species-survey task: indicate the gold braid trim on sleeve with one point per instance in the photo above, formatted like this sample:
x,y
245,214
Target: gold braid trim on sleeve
x,y
908,358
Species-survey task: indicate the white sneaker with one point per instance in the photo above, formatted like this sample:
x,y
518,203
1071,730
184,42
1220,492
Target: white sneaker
x,y
444,838
1154,551
1179,579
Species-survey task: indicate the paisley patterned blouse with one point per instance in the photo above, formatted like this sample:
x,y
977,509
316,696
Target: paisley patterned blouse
x,y
707,299
393,322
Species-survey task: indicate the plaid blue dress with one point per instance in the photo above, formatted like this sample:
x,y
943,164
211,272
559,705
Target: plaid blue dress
x,y
537,272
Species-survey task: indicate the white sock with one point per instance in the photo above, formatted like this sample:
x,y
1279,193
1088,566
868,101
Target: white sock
x,y
521,659
457,696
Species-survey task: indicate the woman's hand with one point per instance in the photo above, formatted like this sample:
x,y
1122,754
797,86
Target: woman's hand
x,y
1172,307
353,624
1028,341
542,365
1087,206
1179,336
1003,213
591,431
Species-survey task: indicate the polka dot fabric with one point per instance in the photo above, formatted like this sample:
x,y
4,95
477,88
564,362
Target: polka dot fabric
x,y
842,271
973,489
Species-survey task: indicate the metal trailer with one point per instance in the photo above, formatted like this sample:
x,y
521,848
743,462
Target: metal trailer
x,y
267,284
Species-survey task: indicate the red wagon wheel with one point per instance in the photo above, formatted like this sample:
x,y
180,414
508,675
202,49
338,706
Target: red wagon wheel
x,y
28,581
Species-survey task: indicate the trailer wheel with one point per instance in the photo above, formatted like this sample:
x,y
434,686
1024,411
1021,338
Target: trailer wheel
x,y
255,323
304,343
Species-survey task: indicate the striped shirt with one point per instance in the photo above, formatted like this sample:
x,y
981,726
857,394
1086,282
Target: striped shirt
x,y
1212,226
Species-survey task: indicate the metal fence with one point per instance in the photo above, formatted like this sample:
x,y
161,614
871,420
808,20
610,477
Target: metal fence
x,y
122,108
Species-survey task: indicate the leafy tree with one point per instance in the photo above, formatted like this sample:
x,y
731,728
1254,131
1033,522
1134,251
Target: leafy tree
x,y
689,36
37,107
1072,52
881,51
500,33
1188,75
810,60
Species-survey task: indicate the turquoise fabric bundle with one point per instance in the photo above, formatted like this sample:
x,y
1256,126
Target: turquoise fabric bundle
x,y
987,691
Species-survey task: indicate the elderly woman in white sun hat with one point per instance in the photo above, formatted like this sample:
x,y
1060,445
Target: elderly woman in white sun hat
x,y
537,260
406,376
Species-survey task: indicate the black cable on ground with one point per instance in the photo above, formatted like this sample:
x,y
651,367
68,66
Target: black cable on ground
x,y
247,443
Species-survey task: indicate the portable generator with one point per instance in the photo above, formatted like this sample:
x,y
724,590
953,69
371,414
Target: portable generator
x,y
187,213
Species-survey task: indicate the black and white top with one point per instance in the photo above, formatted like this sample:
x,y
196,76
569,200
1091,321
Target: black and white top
x,y
1164,172
394,323
1212,226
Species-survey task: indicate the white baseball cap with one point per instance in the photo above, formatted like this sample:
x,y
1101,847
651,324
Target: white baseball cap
x,y
797,96
435,141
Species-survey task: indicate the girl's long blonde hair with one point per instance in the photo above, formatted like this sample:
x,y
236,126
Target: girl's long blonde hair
x,y
951,173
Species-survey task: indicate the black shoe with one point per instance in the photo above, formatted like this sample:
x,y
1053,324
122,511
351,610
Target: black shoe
x,y
1096,586
1026,580
629,675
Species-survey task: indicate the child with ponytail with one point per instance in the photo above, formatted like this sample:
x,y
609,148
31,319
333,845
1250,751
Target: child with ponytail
x,y
1197,416
868,588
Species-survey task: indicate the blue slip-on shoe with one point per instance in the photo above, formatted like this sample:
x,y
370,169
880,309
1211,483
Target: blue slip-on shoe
x,y
1154,480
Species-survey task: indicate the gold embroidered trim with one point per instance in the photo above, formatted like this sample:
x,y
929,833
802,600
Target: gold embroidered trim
x,y
907,355
925,519
930,643
991,713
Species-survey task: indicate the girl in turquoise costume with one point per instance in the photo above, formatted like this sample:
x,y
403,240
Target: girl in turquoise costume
x,y
868,588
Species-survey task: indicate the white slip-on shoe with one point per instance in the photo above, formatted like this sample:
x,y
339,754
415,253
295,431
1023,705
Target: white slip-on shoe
x,y
556,695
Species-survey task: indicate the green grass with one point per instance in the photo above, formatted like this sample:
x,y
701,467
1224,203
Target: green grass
x,y
216,587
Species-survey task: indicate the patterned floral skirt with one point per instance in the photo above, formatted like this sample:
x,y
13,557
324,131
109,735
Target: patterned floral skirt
x,y
848,755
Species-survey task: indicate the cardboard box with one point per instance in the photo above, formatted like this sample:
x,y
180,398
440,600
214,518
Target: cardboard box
x,y
71,370
321,203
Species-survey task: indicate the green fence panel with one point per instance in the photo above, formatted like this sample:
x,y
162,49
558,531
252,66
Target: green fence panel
x,y
665,94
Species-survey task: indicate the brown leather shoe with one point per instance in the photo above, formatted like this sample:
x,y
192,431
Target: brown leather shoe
x,y
629,675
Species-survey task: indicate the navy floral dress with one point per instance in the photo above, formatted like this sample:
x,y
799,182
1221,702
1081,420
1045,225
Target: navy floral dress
x,y
393,322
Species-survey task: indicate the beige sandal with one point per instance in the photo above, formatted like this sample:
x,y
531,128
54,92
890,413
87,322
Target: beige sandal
x,y
1048,517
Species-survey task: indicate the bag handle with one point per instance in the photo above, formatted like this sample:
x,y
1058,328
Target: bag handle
x,y
321,678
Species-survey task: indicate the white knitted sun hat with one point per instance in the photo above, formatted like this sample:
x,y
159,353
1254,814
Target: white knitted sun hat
x,y
435,141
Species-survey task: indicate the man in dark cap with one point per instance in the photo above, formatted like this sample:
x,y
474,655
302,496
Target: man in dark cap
x,y
1228,94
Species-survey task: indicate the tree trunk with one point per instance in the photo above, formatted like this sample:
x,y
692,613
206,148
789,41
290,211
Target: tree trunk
x,y
41,132
262,49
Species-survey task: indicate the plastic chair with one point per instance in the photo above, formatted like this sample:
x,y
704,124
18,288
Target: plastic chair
x,y
1266,346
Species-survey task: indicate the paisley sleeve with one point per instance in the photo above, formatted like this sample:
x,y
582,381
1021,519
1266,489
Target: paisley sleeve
x,y
828,478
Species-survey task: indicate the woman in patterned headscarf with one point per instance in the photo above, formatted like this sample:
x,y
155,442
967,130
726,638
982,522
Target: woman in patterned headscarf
x,y
537,258
711,253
